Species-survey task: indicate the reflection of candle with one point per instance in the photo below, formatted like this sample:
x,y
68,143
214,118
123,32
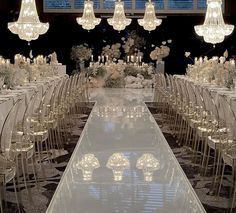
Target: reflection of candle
x,y
99,58
103,58
137,59
92,58
140,58
128,58
106,57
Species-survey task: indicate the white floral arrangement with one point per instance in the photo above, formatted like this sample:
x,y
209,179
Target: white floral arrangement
x,y
121,75
53,59
160,52
112,51
127,45
216,70
133,43
13,76
81,53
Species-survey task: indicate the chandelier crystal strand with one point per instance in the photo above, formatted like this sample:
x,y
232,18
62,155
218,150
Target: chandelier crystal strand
x,y
119,21
149,21
88,19
214,28
28,26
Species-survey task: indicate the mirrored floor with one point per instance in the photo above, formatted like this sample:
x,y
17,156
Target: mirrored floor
x,y
123,163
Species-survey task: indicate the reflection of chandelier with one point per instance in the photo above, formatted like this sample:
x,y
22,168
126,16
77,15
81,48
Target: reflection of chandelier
x,y
28,26
87,164
148,163
119,21
88,19
214,29
149,21
118,163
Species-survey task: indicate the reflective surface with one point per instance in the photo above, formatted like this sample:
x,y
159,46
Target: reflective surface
x,y
121,123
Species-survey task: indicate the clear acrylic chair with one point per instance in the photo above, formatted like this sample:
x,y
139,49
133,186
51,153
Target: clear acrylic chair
x,y
229,147
39,128
22,146
8,166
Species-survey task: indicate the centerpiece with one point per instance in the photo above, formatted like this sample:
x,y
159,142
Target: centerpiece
x,y
216,70
80,54
158,54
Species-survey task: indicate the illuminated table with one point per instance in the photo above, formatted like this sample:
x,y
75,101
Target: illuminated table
x,y
120,123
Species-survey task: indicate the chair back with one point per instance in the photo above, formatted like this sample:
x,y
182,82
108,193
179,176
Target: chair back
x,y
26,123
8,126
228,115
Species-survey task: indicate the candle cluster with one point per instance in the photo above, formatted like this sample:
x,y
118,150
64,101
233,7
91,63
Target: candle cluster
x,y
101,59
134,59
4,61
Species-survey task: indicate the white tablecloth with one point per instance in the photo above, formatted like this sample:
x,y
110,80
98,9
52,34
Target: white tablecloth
x,y
216,92
9,97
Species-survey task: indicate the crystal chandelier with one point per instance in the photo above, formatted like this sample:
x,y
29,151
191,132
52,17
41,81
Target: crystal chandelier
x,y
28,27
119,21
214,29
149,21
88,19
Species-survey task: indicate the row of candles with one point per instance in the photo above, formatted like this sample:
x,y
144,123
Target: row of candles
x,y
100,58
134,59
215,58
20,58
131,58
40,59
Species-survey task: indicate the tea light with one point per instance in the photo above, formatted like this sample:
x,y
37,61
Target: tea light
x,y
200,60
232,62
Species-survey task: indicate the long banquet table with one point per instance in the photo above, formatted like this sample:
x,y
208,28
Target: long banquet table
x,y
120,122
9,97
216,91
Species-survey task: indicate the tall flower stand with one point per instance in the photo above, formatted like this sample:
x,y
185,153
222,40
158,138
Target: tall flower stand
x,y
80,66
160,66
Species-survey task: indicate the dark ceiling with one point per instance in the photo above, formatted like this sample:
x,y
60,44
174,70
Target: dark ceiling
x,y
14,6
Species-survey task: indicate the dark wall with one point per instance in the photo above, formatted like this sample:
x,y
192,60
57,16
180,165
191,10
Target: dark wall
x,y
64,32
